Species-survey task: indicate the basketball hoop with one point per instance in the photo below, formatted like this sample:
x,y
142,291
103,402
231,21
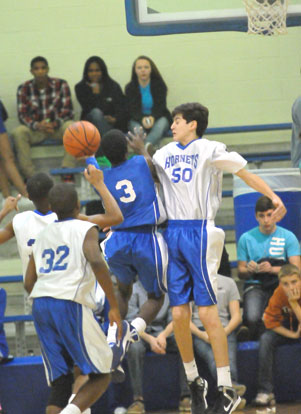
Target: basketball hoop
x,y
266,17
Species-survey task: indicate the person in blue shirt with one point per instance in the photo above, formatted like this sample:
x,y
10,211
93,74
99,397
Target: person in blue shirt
x,y
146,100
134,247
261,252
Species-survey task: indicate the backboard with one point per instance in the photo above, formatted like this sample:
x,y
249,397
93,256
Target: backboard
x,y
162,17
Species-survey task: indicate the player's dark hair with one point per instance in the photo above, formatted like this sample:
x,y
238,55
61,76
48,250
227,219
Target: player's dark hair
x,y
114,146
38,59
264,203
155,74
288,270
63,200
194,112
38,186
105,78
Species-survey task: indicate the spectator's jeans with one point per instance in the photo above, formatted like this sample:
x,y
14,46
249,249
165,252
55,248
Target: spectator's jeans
x,y
97,118
135,358
156,133
24,137
255,300
268,343
3,342
204,351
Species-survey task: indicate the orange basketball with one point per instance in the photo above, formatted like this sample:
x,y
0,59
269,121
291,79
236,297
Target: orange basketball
x,y
81,139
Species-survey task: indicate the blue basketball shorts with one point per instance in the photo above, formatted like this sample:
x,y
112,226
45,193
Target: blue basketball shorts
x,y
138,251
69,334
194,250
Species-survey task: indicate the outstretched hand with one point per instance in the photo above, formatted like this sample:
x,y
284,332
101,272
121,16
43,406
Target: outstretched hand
x,y
280,210
136,140
93,175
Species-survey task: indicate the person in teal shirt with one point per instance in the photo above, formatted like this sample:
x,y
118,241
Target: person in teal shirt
x,y
261,252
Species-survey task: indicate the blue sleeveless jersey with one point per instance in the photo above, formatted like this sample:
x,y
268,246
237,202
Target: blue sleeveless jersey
x,y
132,186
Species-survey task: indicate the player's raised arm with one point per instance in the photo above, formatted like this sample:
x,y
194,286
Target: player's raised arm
x,y
10,204
136,142
100,269
258,184
112,215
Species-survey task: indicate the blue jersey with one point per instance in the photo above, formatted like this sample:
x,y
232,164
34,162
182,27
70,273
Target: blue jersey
x,y
132,186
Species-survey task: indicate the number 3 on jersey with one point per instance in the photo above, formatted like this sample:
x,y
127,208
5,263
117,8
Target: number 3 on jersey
x,y
54,260
128,189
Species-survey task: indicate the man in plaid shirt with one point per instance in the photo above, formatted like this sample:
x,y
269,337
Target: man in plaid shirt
x,y
45,111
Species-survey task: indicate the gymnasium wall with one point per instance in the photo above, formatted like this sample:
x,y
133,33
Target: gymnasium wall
x,y
242,79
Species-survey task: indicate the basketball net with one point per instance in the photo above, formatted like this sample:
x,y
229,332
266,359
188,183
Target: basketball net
x,y
266,17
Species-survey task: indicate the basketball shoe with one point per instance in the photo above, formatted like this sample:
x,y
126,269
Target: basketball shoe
x,y
198,390
120,347
226,401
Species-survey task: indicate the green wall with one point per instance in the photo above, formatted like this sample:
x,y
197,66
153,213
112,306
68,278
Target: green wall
x,y
243,79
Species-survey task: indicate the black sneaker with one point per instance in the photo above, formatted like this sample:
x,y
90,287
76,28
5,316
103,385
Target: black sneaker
x,y
198,390
226,402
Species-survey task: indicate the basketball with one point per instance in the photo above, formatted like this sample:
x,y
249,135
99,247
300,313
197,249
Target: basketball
x,y
81,139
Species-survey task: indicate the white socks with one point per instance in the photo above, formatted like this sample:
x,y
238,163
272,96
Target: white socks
x,y
87,411
71,409
139,324
224,376
191,370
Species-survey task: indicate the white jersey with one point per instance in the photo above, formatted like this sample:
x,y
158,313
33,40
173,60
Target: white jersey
x,y
27,226
191,177
62,269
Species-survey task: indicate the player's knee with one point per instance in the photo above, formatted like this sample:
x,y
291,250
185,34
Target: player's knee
x,y
125,291
61,390
157,300
209,315
103,379
180,313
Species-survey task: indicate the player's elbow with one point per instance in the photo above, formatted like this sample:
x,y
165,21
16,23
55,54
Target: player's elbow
x,y
117,219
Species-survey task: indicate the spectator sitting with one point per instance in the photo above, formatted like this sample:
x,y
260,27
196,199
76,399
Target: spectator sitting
x,y
8,169
156,338
229,312
282,319
146,100
44,110
261,252
296,133
101,98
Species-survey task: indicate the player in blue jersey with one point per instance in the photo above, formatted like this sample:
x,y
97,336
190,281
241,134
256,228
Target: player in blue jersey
x,y
190,170
134,247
